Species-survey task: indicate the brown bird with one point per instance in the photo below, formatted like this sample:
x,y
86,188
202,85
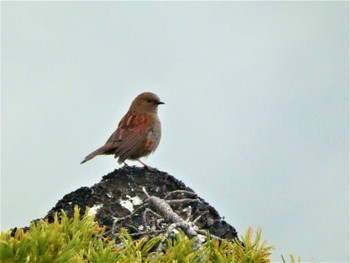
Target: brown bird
x,y
138,133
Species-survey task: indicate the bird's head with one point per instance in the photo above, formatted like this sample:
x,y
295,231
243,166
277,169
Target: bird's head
x,y
146,102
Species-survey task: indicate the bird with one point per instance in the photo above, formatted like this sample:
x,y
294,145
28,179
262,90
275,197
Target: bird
x,y
138,132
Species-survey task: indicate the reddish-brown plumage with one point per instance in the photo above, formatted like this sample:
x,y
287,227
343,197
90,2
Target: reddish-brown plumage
x,y
138,133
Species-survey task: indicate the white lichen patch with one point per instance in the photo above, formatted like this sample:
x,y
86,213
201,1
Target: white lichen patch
x,y
94,209
130,202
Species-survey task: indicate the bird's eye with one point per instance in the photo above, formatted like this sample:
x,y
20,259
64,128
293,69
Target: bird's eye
x,y
149,101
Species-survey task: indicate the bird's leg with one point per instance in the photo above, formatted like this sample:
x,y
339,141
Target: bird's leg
x,y
144,165
141,162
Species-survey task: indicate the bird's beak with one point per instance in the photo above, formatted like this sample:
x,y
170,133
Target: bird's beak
x,y
160,102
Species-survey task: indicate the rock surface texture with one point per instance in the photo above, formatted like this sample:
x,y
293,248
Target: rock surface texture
x,y
146,202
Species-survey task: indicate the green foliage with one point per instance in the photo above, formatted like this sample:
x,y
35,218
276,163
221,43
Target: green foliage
x,y
81,240
248,250
65,240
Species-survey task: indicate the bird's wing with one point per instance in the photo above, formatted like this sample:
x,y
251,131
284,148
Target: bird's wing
x,y
131,133
130,145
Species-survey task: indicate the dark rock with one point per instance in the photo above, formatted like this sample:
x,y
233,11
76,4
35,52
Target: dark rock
x,y
119,201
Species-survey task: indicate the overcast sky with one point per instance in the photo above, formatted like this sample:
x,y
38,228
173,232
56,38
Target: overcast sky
x,y
255,120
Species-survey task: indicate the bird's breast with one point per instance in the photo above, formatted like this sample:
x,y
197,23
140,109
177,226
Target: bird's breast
x,y
153,137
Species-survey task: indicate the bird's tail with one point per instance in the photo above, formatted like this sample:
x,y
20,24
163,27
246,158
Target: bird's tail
x,y
99,151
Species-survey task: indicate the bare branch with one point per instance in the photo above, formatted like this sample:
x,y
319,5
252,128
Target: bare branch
x,y
188,213
184,200
180,192
204,232
199,217
144,190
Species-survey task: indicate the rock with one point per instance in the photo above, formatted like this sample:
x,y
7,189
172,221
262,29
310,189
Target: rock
x,y
120,199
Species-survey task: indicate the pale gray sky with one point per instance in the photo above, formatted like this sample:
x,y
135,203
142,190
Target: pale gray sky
x,y
255,121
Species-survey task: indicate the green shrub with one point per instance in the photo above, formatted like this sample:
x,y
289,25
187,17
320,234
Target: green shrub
x,y
82,240
64,240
